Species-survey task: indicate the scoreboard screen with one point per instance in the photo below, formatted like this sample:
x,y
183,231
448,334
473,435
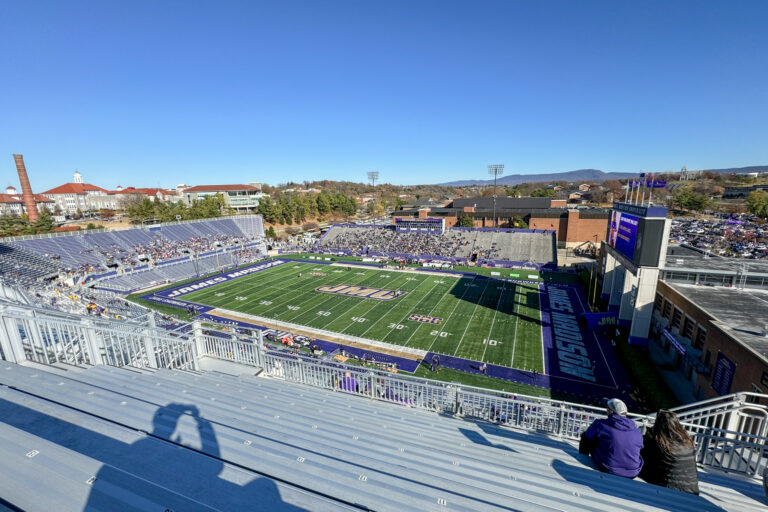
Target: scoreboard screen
x,y
622,234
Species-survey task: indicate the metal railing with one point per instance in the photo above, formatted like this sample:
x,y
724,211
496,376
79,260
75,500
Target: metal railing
x,y
730,431
554,417
233,350
53,337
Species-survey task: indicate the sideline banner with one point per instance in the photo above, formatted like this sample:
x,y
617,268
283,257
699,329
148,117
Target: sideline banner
x,y
600,321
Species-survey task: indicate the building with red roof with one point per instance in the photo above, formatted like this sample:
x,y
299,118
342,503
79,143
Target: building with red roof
x,y
11,203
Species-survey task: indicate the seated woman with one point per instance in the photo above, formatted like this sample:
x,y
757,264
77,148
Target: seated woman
x,y
669,455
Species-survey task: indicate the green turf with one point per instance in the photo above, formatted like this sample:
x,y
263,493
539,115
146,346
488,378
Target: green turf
x,y
483,319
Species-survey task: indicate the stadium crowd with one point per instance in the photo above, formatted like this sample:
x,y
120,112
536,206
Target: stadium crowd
x,y
384,240
738,238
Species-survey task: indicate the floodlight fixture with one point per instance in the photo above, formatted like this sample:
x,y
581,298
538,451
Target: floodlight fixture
x,y
495,170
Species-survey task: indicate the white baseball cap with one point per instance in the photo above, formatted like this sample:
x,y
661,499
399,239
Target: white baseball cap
x,y
617,406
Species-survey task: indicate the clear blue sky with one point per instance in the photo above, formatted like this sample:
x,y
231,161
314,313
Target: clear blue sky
x,y
162,92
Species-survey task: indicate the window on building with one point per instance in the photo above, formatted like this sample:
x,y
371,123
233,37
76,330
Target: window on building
x,y
667,308
701,335
659,302
707,357
677,318
688,328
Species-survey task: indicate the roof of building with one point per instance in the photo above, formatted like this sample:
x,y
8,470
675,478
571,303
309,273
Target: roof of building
x,y
503,202
111,438
145,191
682,257
220,188
742,314
75,188
17,198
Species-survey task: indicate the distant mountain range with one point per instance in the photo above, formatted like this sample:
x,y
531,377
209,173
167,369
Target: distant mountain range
x,y
582,175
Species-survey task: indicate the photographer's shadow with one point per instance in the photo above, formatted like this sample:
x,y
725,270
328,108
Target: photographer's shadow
x,y
190,475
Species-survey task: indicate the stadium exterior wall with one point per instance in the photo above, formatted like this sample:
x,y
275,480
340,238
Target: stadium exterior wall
x,y
751,372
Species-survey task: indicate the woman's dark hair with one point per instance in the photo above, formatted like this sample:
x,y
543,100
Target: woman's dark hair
x,y
669,433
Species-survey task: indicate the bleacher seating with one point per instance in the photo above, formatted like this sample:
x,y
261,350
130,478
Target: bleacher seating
x,y
522,246
20,267
92,251
116,439
179,270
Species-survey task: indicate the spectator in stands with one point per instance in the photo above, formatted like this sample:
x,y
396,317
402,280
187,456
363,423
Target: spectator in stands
x,y
615,442
668,453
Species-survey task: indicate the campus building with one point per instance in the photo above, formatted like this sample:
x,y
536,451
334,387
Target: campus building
x,y
11,203
572,226
710,325
241,198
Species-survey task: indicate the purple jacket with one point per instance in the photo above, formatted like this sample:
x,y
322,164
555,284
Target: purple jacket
x,y
618,443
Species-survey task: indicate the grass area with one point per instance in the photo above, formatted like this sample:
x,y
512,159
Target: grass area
x,y
480,319
180,313
655,394
482,381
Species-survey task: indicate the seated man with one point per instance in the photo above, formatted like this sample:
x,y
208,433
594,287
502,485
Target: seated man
x,y
614,442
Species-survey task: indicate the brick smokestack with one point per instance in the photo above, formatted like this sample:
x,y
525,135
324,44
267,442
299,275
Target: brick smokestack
x,y
26,189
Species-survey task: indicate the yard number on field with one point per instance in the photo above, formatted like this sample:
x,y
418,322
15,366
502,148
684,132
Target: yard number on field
x,y
396,326
324,313
294,308
492,343
442,334
265,302
359,319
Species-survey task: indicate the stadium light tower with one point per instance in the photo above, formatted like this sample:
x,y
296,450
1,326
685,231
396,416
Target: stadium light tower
x,y
372,177
495,170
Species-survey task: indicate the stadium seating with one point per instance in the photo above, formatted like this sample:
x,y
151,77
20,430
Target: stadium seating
x,y
186,268
208,437
92,251
20,267
456,244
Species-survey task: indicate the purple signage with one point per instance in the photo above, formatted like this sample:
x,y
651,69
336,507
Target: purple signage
x,y
673,341
601,321
722,378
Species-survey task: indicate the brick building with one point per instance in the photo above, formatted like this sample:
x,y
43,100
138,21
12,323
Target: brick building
x,y
711,339
573,226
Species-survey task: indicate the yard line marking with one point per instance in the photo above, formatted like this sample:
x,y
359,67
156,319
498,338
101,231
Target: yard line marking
x,y
406,314
479,300
517,321
498,304
466,289
375,303
428,314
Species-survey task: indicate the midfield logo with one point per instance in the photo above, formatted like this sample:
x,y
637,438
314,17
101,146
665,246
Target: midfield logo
x,y
362,292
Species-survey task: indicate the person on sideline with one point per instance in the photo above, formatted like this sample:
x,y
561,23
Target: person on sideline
x,y
615,442
669,455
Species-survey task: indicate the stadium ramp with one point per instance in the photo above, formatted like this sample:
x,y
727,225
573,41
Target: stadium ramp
x,y
109,436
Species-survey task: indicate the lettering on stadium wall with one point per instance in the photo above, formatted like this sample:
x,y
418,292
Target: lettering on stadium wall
x,y
572,355
424,319
360,291
220,279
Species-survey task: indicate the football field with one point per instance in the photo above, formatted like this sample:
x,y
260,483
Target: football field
x,y
475,318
